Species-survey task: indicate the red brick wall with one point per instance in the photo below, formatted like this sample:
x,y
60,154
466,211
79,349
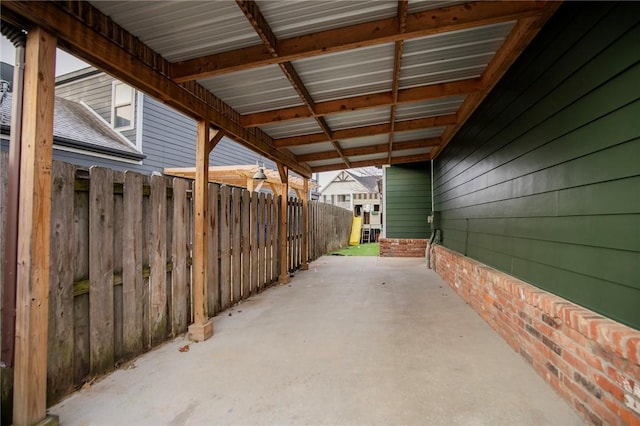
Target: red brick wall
x,y
402,247
591,361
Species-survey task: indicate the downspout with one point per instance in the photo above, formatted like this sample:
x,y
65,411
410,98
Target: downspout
x,y
18,38
435,233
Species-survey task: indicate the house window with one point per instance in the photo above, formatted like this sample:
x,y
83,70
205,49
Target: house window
x,y
376,207
122,113
342,198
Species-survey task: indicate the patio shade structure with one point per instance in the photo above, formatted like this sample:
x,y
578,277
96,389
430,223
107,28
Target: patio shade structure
x,y
315,87
242,176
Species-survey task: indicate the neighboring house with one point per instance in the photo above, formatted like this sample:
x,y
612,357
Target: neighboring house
x,y
361,194
99,120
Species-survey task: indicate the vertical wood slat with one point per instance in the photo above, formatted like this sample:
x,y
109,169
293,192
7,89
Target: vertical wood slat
x,y
60,346
81,333
225,246
101,269
146,260
213,262
291,234
236,251
261,240
269,238
254,242
179,252
274,239
158,261
246,243
118,178
132,282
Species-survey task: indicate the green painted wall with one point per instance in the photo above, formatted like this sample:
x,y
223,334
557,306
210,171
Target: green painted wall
x,y
408,200
543,181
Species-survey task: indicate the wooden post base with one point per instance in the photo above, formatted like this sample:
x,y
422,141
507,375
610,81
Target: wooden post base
x,y
50,420
201,332
304,266
284,279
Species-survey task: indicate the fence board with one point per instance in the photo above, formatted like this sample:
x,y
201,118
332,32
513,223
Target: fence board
x,y
101,270
118,180
261,240
236,251
213,262
225,248
246,243
269,239
254,242
179,253
158,261
60,346
132,281
146,250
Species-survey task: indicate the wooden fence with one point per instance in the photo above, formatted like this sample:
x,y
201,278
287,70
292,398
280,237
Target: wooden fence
x,y
120,279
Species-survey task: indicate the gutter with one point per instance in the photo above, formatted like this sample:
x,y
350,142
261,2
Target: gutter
x,y
18,38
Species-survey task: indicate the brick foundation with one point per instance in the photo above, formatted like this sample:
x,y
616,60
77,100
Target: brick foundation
x,y
591,361
402,247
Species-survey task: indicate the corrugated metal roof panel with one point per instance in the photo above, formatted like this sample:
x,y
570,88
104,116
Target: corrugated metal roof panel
x,y
414,151
422,5
368,157
181,30
359,118
412,135
451,56
292,128
293,18
429,108
254,90
312,148
318,163
364,141
350,73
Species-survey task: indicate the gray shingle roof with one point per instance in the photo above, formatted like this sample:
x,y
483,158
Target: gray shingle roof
x,y
74,125
369,182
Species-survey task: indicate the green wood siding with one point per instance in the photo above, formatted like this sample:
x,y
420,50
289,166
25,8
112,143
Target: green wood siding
x,y
408,200
543,181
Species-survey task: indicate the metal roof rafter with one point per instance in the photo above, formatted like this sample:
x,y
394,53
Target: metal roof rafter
x,y
388,30
261,26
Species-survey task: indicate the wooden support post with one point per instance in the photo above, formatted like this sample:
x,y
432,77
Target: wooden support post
x,y
249,184
32,298
202,328
305,225
284,193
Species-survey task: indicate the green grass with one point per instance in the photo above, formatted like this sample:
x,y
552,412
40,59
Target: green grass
x,y
370,249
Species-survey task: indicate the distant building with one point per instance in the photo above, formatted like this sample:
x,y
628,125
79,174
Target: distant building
x,y
360,194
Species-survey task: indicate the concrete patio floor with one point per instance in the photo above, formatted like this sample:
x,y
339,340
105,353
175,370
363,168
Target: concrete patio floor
x,y
354,340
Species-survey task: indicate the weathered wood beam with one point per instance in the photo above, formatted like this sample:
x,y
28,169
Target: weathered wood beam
x,y
376,162
202,327
378,129
414,94
283,278
34,222
521,35
372,149
83,31
260,25
397,65
419,24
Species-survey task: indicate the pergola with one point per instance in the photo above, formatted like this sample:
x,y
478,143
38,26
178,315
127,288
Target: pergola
x,y
314,86
243,176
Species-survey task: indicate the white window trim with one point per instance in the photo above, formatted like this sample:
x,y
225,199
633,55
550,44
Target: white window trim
x,y
139,112
122,137
113,107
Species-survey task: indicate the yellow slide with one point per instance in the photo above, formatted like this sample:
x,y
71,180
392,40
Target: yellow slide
x,y
356,227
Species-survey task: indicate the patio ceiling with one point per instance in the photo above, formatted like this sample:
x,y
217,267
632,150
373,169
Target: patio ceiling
x,y
315,85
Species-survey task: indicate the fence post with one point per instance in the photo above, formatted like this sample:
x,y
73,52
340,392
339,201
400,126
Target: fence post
x,y
284,178
305,225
